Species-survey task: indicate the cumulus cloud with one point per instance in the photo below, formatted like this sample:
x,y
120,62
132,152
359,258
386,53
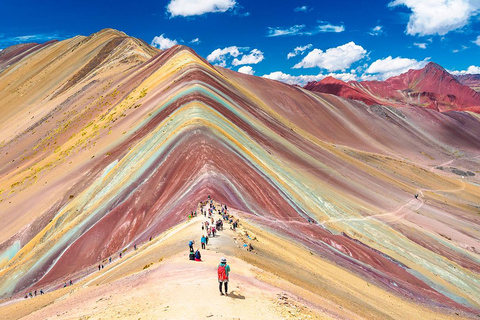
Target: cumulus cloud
x,y
431,17
219,56
298,51
163,43
376,31
254,57
470,70
187,8
330,28
246,70
333,59
477,42
195,41
422,45
301,9
291,31
389,67
304,79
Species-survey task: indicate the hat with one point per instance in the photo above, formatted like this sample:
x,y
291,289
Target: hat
x,y
223,260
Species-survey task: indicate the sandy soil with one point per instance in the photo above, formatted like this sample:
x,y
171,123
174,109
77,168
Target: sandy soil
x,y
172,288
159,282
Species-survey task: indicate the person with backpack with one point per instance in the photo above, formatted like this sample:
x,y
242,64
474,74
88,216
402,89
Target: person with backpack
x,y
190,244
198,256
191,255
223,271
203,241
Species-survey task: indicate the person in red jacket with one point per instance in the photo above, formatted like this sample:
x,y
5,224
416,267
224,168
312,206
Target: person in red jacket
x,y
223,271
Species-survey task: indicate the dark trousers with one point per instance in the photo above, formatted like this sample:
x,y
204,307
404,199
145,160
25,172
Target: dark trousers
x,y
226,287
203,245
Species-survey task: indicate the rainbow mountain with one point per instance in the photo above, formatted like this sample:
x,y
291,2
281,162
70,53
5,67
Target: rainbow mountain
x,y
106,141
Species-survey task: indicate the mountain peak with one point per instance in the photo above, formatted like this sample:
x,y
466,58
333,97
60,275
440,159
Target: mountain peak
x,y
434,66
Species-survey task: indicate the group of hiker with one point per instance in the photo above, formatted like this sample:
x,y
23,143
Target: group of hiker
x,y
34,294
207,209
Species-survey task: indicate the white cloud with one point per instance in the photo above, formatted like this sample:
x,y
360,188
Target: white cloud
x,y
389,67
304,79
298,51
299,29
187,8
219,56
301,9
293,30
461,49
333,59
330,28
254,57
195,41
438,16
420,45
470,70
477,42
42,37
163,43
376,31
246,70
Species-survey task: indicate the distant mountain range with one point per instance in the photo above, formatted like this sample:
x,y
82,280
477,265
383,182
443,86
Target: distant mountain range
x,y
471,80
431,87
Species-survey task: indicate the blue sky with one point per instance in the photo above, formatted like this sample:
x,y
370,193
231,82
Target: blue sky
x,y
352,40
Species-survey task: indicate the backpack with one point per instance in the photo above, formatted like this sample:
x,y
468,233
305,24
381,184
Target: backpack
x,y
222,273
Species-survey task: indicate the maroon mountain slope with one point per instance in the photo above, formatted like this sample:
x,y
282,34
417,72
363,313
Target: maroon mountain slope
x,y
431,87
471,80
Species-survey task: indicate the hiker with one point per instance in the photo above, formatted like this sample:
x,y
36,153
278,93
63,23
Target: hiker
x,y
416,196
110,259
206,239
213,231
35,293
223,272
135,247
41,291
190,244
71,282
203,241
120,254
198,256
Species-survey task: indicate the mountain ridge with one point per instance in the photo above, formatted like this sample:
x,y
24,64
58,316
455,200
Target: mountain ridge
x,y
131,148
430,87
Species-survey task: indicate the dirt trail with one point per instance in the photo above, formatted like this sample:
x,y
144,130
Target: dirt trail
x,y
410,206
174,288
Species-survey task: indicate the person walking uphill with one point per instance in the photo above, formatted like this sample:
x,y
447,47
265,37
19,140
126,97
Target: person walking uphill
x,y
223,272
